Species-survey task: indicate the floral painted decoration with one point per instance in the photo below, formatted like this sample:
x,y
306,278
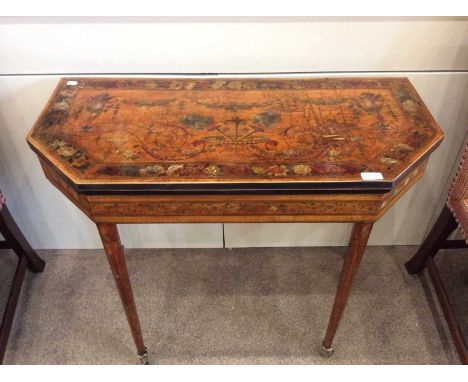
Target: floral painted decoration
x,y
305,129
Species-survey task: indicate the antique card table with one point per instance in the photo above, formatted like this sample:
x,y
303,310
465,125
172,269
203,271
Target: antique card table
x,y
234,150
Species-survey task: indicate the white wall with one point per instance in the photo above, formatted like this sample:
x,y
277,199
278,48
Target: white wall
x,y
433,53
260,45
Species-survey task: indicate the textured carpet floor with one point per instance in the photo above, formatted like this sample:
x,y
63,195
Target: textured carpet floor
x,y
241,306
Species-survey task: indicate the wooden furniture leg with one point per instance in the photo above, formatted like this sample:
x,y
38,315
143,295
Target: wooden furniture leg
x,y
115,255
15,240
436,240
357,245
448,310
10,308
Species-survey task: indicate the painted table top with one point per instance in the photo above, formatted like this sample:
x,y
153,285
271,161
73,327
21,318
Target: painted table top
x,y
226,133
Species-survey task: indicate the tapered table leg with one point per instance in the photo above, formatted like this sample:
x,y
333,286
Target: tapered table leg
x,y
356,247
115,255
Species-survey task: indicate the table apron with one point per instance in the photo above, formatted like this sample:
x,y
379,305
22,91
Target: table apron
x,y
276,210
326,207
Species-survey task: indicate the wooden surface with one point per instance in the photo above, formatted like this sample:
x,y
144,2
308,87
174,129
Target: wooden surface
x,y
259,151
239,134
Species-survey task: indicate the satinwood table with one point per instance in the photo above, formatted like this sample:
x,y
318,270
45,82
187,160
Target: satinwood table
x,y
198,150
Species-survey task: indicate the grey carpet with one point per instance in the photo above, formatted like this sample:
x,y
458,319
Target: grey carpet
x,y
241,306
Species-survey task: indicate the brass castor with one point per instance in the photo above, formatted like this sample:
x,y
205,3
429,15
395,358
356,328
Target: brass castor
x,y
144,358
326,352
